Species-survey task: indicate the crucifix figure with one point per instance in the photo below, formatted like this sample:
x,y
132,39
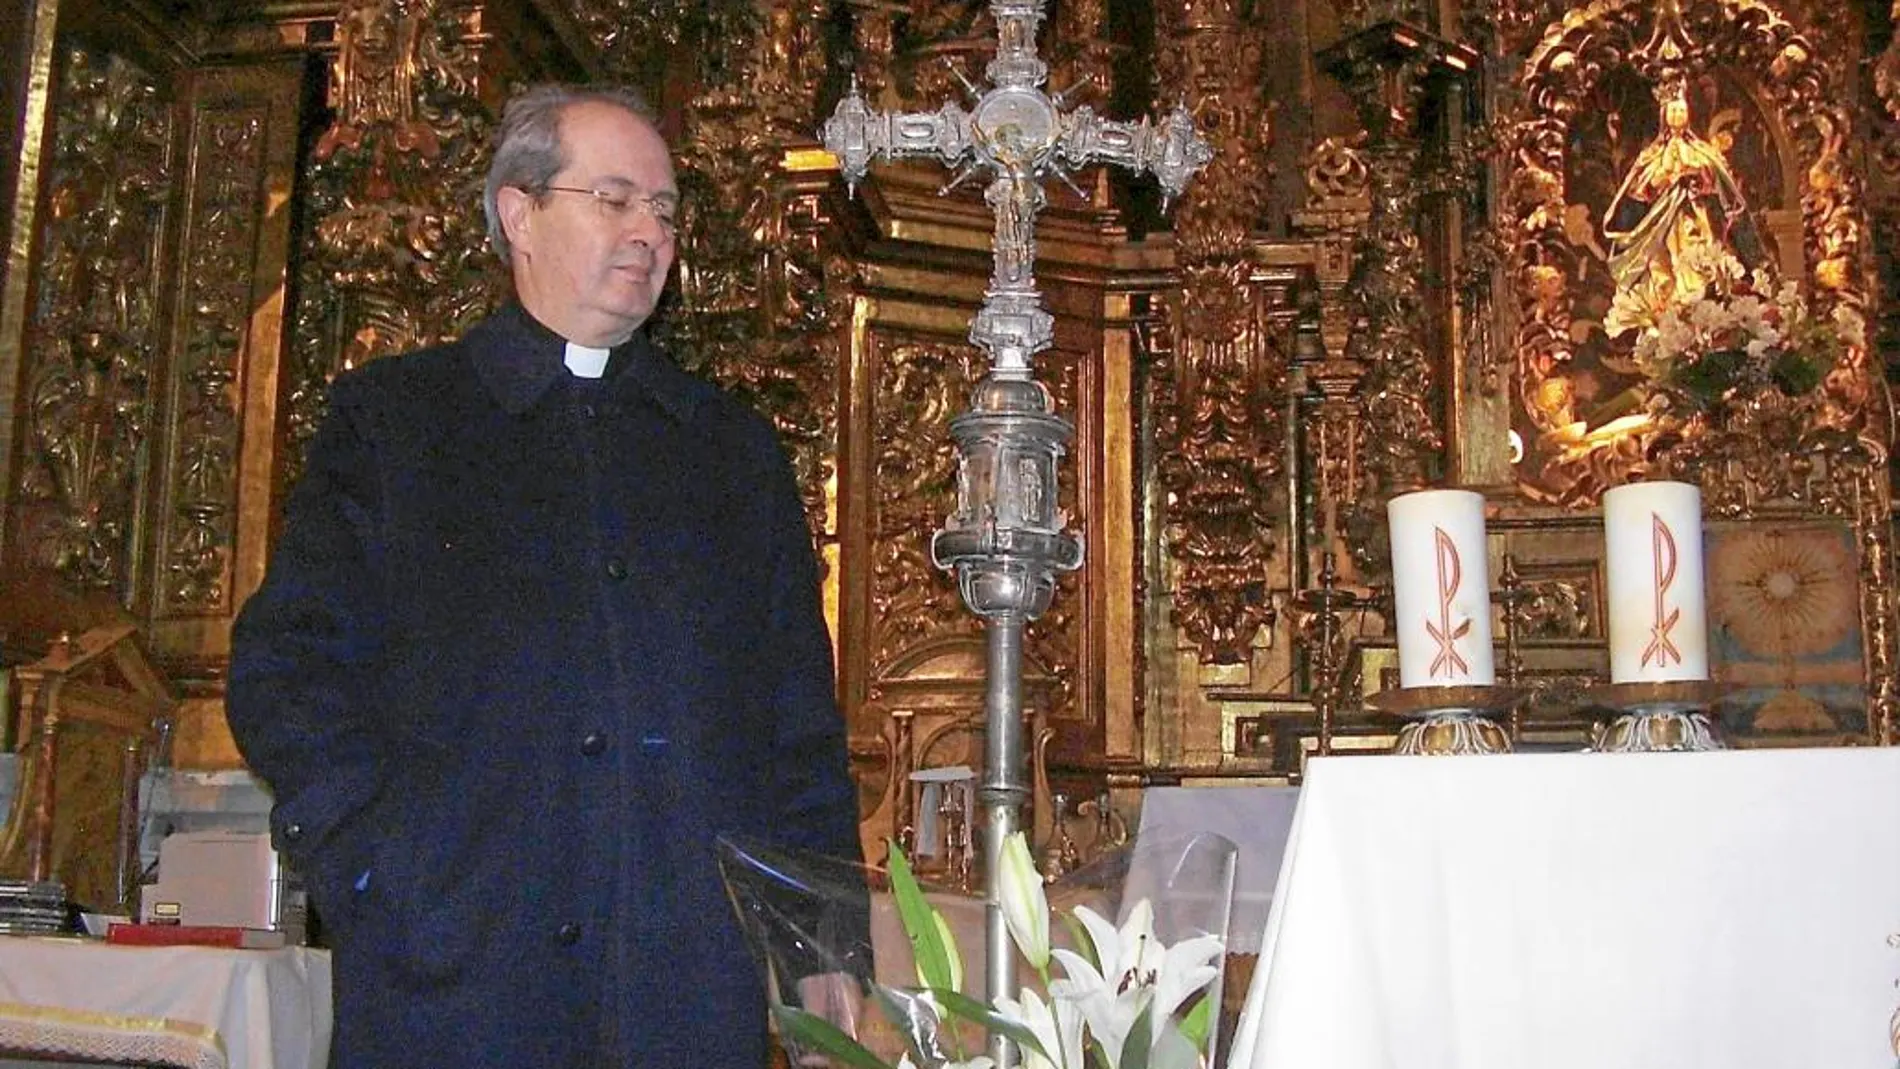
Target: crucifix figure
x,y
1006,541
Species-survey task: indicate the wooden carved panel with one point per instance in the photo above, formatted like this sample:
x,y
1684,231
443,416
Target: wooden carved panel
x,y
221,216
919,386
216,447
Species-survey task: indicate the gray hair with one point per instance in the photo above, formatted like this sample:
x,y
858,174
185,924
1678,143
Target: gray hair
x,y
528,149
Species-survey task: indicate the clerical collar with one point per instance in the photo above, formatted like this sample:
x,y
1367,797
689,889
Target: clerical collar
x,y
518,358
586,361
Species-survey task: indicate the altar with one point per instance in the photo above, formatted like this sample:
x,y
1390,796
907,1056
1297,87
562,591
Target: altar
x,y
71,1001
1738,909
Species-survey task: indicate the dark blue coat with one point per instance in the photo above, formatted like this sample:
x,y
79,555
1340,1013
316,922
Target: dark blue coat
x,y
527,644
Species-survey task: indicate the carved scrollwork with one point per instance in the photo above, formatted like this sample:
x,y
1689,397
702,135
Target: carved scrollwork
x,y
93,331
1558,609
763,295
396,255
1217,376
920,388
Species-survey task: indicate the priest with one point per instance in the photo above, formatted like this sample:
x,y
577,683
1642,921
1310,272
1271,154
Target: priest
x,y
543,623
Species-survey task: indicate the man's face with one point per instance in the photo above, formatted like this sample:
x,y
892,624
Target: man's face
x,y
589,266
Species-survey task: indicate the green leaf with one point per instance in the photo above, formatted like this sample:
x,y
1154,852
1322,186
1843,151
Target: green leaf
x,y
811,1032
921,924
1194,1026
1711,375
951,956
1795,374
1140,1038
960,1005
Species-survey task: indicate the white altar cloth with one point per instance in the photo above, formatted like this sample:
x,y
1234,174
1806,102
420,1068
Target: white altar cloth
x,y
201,1007
1738,910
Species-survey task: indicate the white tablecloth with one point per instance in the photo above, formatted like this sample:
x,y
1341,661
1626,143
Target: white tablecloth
x,y
186,1006
1738,910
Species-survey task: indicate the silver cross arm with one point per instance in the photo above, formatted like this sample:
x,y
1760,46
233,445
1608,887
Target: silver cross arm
x,y
856,135
1171,150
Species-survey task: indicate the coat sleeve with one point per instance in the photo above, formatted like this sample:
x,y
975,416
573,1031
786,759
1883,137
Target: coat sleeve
x,y
303,651
812,778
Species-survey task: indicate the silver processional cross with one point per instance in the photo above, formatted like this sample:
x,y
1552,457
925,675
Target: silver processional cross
x,y
1006,540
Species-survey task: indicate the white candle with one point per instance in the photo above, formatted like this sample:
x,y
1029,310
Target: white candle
x,y
1658,622
1441,588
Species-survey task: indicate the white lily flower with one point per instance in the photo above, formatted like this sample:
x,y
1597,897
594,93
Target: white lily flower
x,y
1112,999
1024,902
1187,967
1057,1026
1138,974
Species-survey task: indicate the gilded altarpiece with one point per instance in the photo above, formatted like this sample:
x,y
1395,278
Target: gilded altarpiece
x,y
1394,268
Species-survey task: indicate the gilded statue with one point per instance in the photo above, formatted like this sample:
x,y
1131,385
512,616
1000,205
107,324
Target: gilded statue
x,y
1678,205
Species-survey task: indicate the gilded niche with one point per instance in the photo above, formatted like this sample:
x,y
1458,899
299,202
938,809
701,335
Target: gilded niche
x,y
1676,163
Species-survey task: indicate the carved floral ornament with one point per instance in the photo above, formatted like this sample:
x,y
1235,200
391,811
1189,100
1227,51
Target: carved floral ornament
x,y
1766,161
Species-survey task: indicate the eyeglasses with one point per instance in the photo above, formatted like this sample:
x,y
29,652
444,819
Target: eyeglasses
x,y
620,206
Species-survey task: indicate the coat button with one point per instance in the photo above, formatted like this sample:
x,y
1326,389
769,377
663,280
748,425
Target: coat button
x,y
568,934
617,569
293,833
588,411
594,744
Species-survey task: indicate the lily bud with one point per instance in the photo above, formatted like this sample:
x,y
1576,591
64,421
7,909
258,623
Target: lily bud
x,y
1025,905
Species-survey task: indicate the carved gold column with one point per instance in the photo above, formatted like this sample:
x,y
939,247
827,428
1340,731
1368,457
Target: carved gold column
x,y
1884,165
1338,202
394,254
1385,68
1218,383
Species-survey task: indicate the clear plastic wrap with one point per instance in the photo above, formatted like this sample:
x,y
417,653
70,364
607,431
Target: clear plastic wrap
x,y
1120,962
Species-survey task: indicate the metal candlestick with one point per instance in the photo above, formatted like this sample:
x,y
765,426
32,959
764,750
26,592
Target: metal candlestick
x,y
1324,607
1006,540
1450,720
1511,597
1670,716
